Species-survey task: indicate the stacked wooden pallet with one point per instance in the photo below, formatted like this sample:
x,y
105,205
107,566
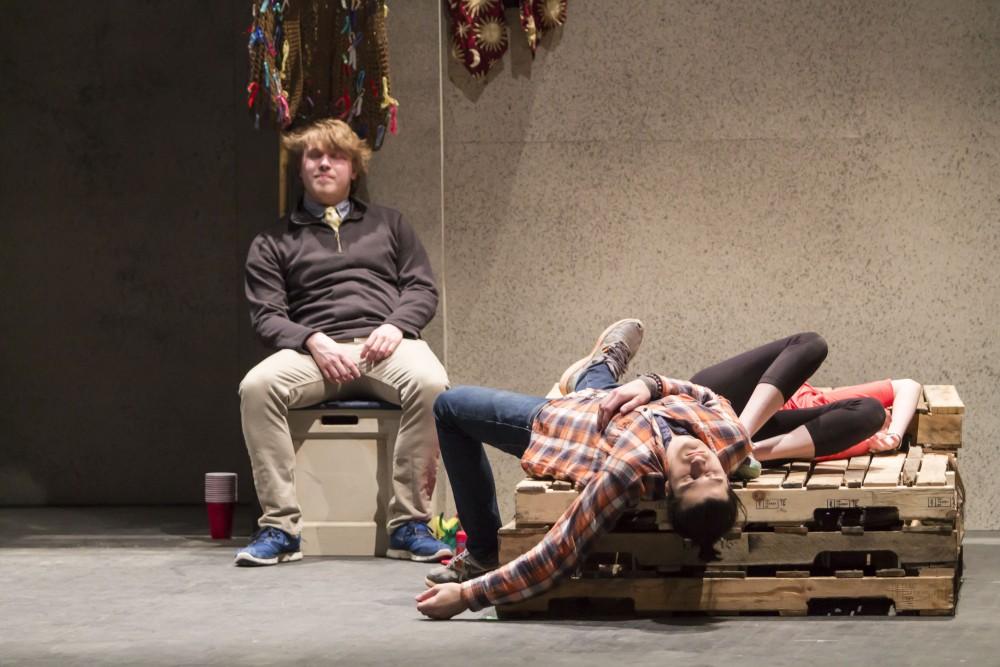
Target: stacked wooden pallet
x,y
872,534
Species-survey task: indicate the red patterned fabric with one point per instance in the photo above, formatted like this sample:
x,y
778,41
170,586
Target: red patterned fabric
x,y
479,34
540,16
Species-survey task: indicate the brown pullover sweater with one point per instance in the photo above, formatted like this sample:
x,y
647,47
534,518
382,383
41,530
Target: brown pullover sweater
x,y
298,283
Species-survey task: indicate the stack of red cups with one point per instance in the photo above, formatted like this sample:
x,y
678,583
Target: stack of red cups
x,y
220,499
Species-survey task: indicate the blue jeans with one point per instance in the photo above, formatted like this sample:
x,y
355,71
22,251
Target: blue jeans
x,y
466,418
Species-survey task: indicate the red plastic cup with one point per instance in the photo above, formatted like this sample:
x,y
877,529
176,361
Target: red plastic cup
x,y
220,520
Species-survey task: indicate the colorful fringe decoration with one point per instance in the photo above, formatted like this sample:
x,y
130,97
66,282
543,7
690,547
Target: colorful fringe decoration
x,y
313,59
445,530
479,29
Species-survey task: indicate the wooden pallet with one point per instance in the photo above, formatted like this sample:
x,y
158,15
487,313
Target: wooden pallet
x,y
909,547
918,486
933,592
938,422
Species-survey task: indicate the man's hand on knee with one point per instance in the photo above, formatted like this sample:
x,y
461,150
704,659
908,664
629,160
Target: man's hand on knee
x,y
441,601
381,343
333,361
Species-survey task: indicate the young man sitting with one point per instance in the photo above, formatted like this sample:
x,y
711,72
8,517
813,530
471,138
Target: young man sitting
x,y
342,289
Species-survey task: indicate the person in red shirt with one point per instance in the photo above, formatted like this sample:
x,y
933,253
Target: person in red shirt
x,y
899,396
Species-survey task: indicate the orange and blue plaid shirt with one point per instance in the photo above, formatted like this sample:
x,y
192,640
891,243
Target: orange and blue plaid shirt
x,y
611,469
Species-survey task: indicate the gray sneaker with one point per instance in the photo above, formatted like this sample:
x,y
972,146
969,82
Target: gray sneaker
x,y
615,346
460,568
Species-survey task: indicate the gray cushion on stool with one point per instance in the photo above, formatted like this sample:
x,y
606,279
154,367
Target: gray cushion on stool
x,y
359,404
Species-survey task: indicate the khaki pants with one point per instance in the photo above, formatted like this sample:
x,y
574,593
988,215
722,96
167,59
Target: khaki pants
x,y
411,377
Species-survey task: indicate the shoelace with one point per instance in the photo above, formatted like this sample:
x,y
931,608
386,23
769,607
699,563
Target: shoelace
x,y
457,563
267,532
617,357
419,530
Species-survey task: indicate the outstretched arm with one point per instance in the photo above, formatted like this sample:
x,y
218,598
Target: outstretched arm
x,y
441,601
594,511
907,394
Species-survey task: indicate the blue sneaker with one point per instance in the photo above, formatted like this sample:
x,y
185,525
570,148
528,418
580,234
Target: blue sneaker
x,y
269,546
413,541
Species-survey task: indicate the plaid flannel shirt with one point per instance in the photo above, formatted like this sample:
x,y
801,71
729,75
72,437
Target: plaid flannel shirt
x,y
612,470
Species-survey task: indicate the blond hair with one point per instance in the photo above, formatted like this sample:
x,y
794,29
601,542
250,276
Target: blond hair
x,y
335,136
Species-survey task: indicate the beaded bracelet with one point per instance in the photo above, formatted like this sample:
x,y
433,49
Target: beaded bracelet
x,y
655,385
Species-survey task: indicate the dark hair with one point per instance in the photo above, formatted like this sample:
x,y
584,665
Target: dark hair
x,y
705,522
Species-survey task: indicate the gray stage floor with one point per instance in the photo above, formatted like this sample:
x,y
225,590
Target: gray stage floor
x,y
141,586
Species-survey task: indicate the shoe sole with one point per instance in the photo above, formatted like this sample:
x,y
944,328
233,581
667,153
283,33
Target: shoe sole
x,y
431,583
403,554
564,387
247,560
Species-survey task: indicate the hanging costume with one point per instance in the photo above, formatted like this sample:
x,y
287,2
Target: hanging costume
x,y
479,36
314,59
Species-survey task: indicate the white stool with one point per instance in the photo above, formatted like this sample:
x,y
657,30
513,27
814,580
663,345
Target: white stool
x,y
343,475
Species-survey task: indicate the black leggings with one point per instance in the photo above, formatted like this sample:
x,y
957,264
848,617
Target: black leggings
x,y
786,364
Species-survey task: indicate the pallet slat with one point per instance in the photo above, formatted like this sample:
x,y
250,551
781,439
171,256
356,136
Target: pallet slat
x,y
752,594
942,399
779,549
770,478
911,466
828,475
797,475
856,469
940,430
885,470
933,468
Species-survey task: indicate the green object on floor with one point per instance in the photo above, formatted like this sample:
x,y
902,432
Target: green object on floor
x,y
445,529
750,469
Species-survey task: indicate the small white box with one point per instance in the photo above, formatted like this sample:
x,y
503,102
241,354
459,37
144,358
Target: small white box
x,y
343,478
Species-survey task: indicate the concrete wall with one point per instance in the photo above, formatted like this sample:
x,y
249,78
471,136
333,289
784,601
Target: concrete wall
x,y
119,250
133,184
732,172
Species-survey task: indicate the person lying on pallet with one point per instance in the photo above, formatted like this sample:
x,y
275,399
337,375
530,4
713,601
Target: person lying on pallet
x,y
616,444
815,424
342,289
901,396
